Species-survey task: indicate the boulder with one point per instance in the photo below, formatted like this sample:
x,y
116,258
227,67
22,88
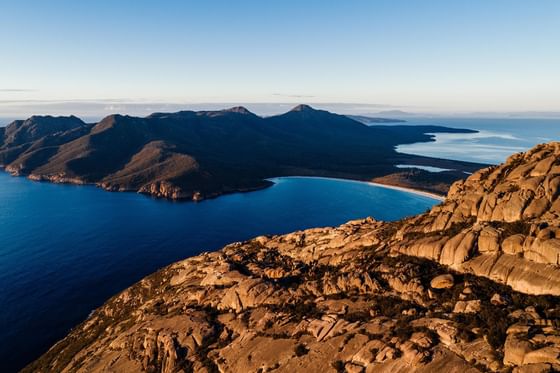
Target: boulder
x,y
498,300
551,184
543,166
549,354
488,240
512,209
515,350
458,249
544,251
536,208
442,282
471,306
513,245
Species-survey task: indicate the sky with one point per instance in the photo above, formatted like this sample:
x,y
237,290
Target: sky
x,y
98,57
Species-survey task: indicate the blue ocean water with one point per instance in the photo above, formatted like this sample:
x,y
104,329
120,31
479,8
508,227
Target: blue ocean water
x,y
65,249
496,140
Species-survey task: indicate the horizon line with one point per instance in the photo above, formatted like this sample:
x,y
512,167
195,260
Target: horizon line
x,y
100,108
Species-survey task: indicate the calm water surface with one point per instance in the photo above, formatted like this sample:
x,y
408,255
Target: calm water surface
x,y
65,249
497,138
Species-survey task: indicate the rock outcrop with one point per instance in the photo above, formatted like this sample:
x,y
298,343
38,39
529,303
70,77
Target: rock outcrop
x,y
502,222
472,285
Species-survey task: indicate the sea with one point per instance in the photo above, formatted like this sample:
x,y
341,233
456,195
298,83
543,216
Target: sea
x,y
65,249
496,139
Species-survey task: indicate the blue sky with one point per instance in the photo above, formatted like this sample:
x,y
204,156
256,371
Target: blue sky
x,y
422,56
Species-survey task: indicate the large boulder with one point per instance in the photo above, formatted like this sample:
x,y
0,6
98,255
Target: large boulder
x,y
544,251
471,306
458,249
513,245
442,282
515,350
489,240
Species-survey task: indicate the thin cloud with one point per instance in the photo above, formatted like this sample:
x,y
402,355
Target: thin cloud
x,y
292,95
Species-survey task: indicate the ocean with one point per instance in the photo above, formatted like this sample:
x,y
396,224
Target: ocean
x,y
66,249
496,140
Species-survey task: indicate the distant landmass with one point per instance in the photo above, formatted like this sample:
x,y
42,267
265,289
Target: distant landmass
x,y
395,113
371,120
197,155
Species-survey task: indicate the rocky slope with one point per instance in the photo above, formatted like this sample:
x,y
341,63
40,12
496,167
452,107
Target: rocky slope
x,y
197,155
472,285
502,222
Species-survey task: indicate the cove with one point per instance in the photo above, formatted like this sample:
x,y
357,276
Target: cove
x,y
65,249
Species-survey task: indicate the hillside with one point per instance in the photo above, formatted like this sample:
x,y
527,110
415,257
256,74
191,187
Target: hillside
x,y
197,155
472,285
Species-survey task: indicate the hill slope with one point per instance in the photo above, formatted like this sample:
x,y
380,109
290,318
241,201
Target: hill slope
x,y
472,285
195,155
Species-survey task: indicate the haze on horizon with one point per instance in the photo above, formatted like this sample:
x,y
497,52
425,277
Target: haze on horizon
x,y
92,59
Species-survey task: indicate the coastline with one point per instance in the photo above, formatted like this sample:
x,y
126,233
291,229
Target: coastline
x,y
69,181
373,183
409,190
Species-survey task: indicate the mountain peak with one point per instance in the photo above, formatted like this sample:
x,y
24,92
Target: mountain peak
x,y
239,110
303,108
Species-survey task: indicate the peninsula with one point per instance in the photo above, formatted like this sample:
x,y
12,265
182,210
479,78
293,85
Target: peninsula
x,y
198,155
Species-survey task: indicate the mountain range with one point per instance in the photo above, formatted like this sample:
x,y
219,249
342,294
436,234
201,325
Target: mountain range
x,y
197,155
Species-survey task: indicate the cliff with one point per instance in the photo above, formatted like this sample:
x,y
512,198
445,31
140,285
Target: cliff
x,y
472,285
196,155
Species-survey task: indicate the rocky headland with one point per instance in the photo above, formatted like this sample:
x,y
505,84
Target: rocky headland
x,y
473,285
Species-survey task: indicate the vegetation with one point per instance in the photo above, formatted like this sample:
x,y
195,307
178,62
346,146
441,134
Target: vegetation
x,y
301,350
338,365
509,229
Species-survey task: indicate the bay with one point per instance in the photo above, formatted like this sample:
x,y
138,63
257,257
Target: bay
x,y
65,249
496,140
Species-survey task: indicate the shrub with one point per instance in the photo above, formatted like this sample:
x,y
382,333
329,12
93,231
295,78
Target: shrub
x,y
301,350
338,365
509,229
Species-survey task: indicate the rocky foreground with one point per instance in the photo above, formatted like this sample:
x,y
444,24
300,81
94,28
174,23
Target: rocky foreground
x,y
472,285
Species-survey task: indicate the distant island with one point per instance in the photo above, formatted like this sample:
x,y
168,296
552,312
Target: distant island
x,y
398,113
372,120
197,155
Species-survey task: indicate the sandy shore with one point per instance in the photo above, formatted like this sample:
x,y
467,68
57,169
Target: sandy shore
x,y
388,186
404,189
409,190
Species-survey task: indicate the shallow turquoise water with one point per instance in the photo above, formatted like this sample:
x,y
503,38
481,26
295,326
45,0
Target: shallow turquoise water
x,y
65,249
496,140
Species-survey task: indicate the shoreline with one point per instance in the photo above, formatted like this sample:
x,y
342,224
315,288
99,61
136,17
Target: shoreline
x,y
409,190
373,183
246,190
